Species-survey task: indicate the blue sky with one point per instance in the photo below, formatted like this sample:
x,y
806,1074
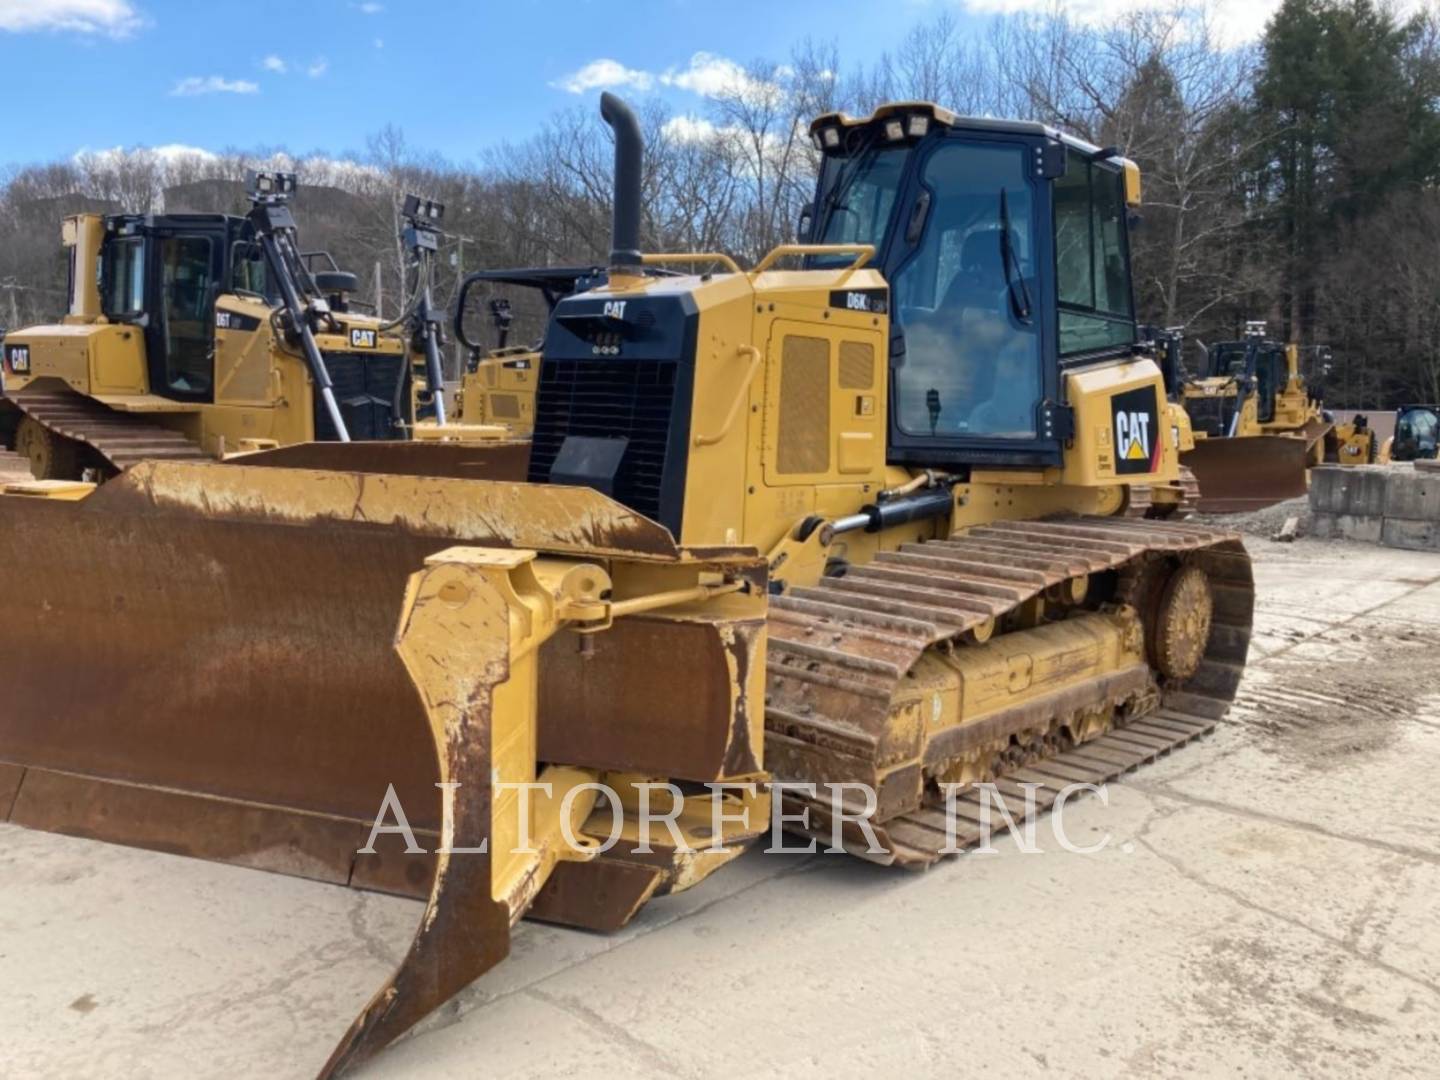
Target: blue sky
x,y
320,75
455,75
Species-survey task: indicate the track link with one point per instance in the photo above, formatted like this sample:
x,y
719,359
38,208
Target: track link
x,y
840,650
1140,500
122,439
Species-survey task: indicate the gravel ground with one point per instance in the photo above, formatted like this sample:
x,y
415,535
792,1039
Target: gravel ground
x,y
1263,523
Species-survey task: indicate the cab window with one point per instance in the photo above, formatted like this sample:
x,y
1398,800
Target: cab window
x,y
966,300
125,277
858,196
187,318
1091,261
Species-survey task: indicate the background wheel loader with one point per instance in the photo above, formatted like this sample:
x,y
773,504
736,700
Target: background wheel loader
x,y
1417,434
190,336
1257,428
857,525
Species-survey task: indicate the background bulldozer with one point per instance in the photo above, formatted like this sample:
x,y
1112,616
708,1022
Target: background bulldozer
x,y
191,336
498,385
1256,424
857,524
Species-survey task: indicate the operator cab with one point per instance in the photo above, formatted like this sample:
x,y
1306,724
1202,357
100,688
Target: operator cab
x,y
1254,360
1417,433
1006,247
163,274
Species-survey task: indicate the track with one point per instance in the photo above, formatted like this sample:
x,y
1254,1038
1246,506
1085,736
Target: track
x,y
1140,500
839,653
122,439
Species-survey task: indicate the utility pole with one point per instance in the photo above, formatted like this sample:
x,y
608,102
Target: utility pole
x,y
379,292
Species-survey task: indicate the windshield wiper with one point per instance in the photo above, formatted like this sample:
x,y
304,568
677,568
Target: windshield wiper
x,y
849,173
1019,300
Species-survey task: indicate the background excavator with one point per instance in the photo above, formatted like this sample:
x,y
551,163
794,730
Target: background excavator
x,y
1257,425
191,336
858,524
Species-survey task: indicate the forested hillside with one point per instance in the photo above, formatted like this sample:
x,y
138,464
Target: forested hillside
x,y
1293,179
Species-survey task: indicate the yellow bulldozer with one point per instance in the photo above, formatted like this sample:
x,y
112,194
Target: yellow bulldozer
x,y
821,546
192,336
498,384
1257,426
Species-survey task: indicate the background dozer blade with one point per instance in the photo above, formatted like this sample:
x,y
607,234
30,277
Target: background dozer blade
x,y
498,460
1242,474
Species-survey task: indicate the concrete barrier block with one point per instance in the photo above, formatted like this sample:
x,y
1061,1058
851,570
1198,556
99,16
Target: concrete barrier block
x,y
1430,466
1357,490
1411,535
1368,530
1413,496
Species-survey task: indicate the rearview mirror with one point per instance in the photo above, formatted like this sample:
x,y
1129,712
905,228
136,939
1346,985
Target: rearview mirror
x,y
804,225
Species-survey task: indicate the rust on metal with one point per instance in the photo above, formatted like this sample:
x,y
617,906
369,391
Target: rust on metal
x,y
560,520
839,658
464,930
653,694
1237,475
315,846
488,460
10,778
602,895
122,439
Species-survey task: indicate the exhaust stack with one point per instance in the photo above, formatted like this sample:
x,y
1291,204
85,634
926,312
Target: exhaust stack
x,y
629,151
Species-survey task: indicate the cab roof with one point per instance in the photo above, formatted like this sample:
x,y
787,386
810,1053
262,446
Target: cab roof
x,y
945,118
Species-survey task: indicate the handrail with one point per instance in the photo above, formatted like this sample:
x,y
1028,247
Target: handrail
x,y
863,254
756,356
660,258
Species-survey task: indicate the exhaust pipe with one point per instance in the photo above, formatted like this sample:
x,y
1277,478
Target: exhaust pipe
x,y
629,150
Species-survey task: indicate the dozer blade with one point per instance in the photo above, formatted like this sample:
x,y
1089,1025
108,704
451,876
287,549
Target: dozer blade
x,y
203,660
488,460
199,658
471,624
454,638
1243,474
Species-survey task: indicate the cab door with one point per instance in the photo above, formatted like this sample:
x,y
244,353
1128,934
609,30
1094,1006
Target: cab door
x,y
186,267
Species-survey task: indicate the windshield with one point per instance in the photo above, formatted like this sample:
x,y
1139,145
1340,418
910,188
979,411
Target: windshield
x,y
1420,428
964,300
857,196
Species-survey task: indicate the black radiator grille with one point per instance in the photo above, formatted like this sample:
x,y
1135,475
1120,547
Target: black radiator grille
x,y
365,391
1210,415
609,399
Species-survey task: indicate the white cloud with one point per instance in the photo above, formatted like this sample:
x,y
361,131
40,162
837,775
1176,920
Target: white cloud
x,y
603,74
707,75
169,153
275,64
114,17
717,76
318,68
370,8
686,129
213,84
